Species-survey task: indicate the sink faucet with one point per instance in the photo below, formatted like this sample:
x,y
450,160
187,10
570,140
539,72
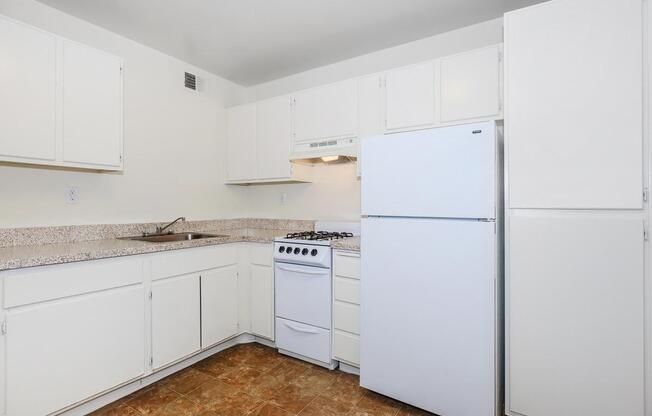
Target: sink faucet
x,y
159,230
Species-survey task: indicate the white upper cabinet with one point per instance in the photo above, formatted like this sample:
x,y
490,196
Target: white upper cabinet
x,y
241,142
573,105
470,85
61,101
329,111
273,137
92,106
410,97
259,137
28,98
331,119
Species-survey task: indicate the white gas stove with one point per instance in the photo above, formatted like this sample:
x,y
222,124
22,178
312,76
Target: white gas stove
x,y
302,270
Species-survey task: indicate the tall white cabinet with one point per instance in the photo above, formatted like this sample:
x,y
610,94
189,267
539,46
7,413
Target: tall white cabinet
x,y
176,318
575,237
61,101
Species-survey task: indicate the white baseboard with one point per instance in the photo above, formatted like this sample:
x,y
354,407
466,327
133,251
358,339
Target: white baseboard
x,y
101,400
346,368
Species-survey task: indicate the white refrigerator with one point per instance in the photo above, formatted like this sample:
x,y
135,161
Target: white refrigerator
x,y
431,317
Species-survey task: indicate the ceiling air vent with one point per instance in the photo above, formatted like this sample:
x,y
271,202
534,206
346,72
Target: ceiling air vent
x,y
191,81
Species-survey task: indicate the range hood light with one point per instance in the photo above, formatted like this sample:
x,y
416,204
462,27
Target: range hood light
x,y
327,159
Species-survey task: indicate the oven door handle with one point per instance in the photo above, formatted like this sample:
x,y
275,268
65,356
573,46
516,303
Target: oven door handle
x,y
304,330
325,272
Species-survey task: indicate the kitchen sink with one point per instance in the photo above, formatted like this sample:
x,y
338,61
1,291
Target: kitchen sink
x,y
168,238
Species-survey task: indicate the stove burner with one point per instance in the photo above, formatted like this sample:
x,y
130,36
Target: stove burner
x,y
318,235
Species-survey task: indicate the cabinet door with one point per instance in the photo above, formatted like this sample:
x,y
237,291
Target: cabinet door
x,y
92,106
28,98
410,97
470,85
370,106
219,304
576,315
175,318
326,112
61,352
241,142
574,105
262,300
273,137
371,117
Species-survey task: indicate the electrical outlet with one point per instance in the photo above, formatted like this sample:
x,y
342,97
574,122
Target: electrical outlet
x,y
72,195
284,199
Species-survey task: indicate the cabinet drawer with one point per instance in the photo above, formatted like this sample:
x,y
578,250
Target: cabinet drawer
x,y
346,347
347,265
306,340
261,254
346,317
192,260
40,284
347,290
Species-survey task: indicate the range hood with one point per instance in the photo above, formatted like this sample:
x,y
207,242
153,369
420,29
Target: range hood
x,y
336,150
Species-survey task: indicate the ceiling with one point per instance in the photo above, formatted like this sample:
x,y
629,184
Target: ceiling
x,y
253,41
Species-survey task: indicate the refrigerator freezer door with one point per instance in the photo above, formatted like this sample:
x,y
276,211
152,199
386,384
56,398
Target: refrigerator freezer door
x,y
428,313
448,172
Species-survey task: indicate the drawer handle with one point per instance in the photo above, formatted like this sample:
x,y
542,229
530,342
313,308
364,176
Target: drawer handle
x,y
303,271
304,330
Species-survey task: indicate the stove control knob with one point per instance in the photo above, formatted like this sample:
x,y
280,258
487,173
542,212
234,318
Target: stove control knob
x,y
288,250
313,252
297,250
304,251
281,249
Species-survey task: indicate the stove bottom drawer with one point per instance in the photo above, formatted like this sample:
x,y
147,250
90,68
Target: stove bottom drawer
x,y
306,340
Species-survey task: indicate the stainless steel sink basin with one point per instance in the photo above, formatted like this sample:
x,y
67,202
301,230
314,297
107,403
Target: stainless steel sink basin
x,y
168,238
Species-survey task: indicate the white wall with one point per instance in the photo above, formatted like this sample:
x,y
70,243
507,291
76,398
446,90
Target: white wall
x,y
335,193
174,141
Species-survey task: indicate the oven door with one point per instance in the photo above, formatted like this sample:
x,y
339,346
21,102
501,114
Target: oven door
x,y
303,294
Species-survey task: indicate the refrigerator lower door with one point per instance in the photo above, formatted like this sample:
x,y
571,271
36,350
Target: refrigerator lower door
x,y
428,317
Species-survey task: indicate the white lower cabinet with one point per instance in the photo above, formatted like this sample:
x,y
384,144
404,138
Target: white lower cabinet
x,y
346,307
74,331
175,319
219,305
470,85
261,274
61,101
576,315
63,351
410,97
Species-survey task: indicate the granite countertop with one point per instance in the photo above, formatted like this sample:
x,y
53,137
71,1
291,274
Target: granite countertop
x,y
352,244
16,257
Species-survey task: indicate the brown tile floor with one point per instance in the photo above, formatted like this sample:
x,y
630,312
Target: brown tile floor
x,y
255,380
